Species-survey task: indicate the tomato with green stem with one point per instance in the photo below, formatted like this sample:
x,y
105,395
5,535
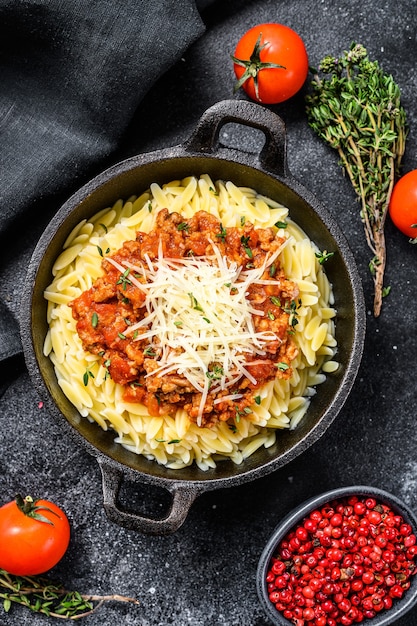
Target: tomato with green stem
x,y
270,63
34,536
403,204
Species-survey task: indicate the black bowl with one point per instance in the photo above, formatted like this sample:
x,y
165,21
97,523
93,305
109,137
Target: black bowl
x,y
385,617
266,172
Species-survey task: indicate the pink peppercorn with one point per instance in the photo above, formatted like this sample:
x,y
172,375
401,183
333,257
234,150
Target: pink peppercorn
x,y
347,561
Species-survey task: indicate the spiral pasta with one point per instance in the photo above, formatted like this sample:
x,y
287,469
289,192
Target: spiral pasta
x,y
175,440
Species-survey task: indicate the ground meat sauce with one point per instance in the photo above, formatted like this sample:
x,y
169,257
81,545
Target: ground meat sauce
x,y
105,311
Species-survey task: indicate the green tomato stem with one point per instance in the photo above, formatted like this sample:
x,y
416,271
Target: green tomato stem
x,y
253,66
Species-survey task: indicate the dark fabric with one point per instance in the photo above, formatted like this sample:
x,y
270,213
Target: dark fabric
x,y
72,73
9,335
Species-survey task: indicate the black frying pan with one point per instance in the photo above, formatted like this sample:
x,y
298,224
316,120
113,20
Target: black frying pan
x,y
267,172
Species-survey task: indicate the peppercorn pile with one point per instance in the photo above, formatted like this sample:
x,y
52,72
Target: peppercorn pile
x,y
345,562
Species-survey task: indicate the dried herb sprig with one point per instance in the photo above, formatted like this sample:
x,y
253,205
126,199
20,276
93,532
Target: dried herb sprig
x,y
42,595
356,109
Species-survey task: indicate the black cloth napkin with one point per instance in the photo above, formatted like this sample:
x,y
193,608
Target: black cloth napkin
x,y
72,73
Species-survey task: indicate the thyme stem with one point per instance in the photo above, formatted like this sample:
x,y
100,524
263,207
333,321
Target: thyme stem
x,y
356,109
41,595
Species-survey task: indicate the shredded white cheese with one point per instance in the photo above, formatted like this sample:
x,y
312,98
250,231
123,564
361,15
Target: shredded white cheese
x,y
199,320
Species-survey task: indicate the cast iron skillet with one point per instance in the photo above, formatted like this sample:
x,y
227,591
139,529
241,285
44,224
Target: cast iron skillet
x,y
267,172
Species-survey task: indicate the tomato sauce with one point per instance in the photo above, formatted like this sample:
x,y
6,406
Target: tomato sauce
x,y
116,301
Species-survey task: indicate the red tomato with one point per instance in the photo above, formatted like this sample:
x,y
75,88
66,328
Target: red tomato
x,y
34,536
403,204
270,63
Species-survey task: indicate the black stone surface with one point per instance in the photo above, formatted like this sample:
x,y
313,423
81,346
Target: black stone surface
x,y
204,574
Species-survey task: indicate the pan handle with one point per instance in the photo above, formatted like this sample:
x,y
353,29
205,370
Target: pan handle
x,y
182,498
205,137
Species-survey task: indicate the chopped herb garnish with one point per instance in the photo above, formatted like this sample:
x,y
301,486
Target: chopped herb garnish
x,y
87,375
280,224
257,399
272,270
292,312
215,373
107,364
242,412
124,280
242,220
222,234
245,243
324,256
194,303
121,336
149,351
183,226
94,320
104,227
168,442
275,300
282,367
270,315
100,251
206,319
150,206
178,324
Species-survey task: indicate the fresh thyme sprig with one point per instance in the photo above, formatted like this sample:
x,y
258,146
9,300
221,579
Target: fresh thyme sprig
x,y
356,109
42,595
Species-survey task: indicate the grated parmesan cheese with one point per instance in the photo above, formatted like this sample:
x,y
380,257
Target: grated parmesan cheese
x,y
199,319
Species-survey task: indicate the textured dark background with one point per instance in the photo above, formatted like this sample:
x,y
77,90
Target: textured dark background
x,y
204,574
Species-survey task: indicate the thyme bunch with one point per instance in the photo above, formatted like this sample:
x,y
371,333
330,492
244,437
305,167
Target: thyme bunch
x,y
356,109
41,595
